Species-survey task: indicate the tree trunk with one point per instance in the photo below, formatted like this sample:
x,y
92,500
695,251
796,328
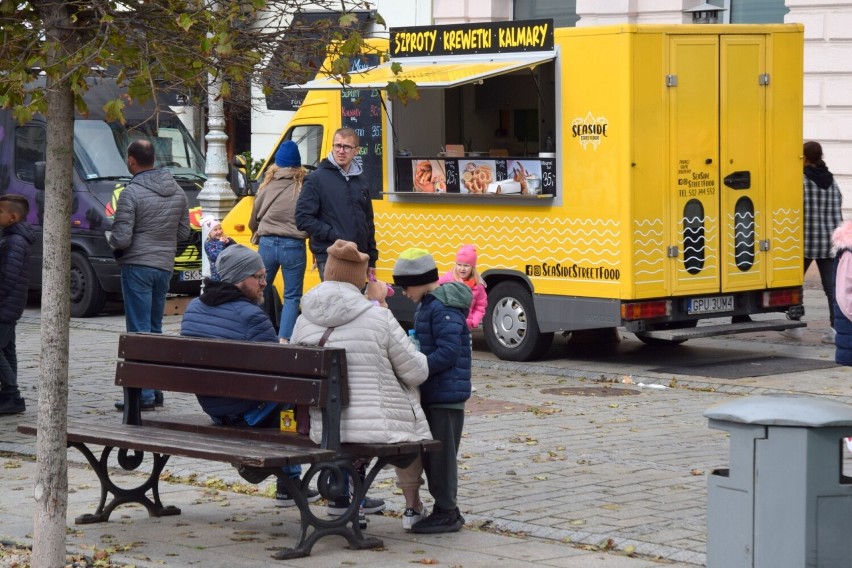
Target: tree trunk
x,y
51,483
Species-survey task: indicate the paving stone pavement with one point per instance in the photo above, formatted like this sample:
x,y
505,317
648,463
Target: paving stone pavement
x,y
547,476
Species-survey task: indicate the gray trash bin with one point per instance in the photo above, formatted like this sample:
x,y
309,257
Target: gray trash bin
x,y
784,501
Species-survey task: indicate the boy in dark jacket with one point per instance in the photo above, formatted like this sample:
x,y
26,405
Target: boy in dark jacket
x,y
15,241
440,326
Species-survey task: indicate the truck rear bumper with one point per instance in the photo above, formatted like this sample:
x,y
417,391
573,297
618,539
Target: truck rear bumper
x,y
722,329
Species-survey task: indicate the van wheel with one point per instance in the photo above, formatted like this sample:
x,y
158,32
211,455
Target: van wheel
x,y
511,328
87,296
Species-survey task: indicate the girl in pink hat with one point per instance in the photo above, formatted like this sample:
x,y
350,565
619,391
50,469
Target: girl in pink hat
x,y
465,271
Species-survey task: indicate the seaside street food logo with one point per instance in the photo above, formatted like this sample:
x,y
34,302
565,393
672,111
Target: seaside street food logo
x,y
573,271
486,37
589,130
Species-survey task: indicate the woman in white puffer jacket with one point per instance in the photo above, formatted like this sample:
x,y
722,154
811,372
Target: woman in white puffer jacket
x,y
384,368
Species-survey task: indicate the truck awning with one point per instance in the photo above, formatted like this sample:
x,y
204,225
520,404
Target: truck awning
x,y
436,72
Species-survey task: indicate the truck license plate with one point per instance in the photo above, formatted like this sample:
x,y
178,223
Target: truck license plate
x,y
189,275
710,305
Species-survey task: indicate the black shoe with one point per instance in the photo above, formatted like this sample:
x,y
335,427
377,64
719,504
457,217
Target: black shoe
x,y
283,498
252,474
158,398
369,506
12,406
440,521
146,405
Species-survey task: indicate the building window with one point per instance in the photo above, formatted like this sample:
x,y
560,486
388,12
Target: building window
x,y
563,12
757,11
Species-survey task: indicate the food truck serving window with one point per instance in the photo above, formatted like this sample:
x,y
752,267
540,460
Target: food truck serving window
x,y
485,116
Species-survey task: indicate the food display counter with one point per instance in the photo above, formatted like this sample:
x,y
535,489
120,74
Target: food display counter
x,y
476,174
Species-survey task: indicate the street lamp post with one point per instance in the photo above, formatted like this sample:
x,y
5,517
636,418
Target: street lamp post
x,y
216,197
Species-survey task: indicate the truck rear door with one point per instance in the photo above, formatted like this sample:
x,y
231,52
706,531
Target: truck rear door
x,y
717,112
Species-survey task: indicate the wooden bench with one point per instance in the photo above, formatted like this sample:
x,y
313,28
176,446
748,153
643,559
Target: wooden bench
x,y
311,376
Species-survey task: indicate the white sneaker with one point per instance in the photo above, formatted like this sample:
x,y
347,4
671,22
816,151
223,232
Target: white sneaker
x,y
794,333
829,336
410,517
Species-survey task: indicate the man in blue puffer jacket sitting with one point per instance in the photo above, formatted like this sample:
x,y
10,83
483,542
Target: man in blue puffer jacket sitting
x,y
230,309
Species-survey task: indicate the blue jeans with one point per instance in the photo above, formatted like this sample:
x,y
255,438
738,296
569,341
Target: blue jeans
x,y
290,255
144,289
8,361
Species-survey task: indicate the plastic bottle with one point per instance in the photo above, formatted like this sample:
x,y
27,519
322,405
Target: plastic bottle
x,y
413,337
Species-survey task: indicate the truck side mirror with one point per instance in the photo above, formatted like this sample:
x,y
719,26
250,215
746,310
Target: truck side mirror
x,y
39,168
238,176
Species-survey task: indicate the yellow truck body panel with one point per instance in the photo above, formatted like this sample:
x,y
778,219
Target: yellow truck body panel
x,y
675,177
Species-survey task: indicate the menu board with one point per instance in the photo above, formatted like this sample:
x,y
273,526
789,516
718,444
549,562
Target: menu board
x,y
362,112
474,175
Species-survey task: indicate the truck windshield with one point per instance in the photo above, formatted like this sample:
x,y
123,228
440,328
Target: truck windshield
x,y
100,148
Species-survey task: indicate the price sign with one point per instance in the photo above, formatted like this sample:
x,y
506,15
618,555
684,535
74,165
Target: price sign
x,y
452,175
501,170
362,112
548,176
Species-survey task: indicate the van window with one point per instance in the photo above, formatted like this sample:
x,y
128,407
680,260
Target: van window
x,y
30,144
100,148
309,141
96,149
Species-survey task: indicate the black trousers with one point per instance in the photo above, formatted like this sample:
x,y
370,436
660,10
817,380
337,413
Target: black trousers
x,y
441,467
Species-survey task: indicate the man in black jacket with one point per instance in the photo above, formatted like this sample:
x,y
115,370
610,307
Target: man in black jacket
x,y
16,237
335,203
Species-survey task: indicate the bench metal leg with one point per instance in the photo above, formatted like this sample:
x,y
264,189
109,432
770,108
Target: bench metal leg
x,y
121,496
329,484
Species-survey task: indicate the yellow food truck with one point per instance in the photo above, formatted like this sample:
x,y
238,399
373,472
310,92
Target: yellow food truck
x,y
641,176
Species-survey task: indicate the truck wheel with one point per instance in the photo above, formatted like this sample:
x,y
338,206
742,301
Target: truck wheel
x,y
672,325
87,296
511,328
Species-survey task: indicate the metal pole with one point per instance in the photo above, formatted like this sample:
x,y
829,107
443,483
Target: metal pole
x,y
216,197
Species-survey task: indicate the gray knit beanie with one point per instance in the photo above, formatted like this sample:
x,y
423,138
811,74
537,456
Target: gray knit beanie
x,y
238,262
415,267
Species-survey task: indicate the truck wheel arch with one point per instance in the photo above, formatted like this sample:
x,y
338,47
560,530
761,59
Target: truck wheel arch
x,y
510,323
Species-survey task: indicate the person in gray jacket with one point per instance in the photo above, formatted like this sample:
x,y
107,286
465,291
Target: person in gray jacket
x,y
150,217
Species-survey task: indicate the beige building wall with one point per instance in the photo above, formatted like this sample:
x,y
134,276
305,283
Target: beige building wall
x,y
828,83
462,11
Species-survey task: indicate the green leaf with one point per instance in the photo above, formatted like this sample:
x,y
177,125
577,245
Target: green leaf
x,y
113,110
184,21
347,20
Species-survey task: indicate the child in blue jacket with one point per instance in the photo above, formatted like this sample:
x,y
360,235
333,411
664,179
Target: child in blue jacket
x,y
440,326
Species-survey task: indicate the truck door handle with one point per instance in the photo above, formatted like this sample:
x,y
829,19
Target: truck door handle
x,y
738,180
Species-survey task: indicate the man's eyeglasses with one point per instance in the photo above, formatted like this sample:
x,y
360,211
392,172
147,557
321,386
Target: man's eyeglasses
x,y
259,277
343,147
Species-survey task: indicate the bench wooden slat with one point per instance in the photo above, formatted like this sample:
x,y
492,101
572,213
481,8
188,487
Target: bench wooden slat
x,y
269,372
217,382
191,445
208,353
201,424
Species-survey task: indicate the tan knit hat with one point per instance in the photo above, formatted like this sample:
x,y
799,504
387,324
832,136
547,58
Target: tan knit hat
x,y
346,264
